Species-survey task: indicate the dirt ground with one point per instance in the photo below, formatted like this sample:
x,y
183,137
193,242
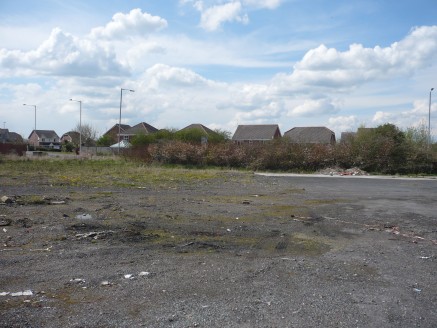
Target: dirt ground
x,y
242,250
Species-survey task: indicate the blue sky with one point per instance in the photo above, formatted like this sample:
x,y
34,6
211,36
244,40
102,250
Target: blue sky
x,y
340,64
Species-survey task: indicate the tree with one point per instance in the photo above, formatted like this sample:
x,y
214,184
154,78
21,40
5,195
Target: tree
x,y
381,149
105,141
88,134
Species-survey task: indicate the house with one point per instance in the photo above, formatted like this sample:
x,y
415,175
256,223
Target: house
x,y
4,135
205,132
14,137
347,137
44,139
113,132
140,128
71,137
256,133
311,135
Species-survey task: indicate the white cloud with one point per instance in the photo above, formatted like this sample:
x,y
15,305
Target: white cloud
x,y
123,26
62,54
342,124
213,17
160,75
216,12
329,68
311,107
269,4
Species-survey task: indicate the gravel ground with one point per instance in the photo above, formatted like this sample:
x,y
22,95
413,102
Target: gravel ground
x,y
240,251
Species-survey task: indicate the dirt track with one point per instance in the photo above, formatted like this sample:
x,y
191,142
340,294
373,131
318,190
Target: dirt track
x,y
239,251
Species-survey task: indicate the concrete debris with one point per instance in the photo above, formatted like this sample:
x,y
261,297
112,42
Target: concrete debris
x,y
7,200
354,171
105,283
77,280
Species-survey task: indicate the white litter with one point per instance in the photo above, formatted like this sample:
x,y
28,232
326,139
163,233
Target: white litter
x,y
25,293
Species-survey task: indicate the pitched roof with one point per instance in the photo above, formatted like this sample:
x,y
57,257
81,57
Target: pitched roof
x,y
200,127
140,128
74,135
312,134
347,136
46,134
256,132
15,137
114,129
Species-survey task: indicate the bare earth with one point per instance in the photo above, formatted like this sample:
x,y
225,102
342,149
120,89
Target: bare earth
x,y
241,250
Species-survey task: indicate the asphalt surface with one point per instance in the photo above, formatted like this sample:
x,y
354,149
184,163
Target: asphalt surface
x,y
257,251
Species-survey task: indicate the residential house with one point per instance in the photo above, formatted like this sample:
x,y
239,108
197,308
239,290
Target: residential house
x,y
44,139
14,137
259,133
71,137
206,132
140,128
4,135
347,137
113,132
311,135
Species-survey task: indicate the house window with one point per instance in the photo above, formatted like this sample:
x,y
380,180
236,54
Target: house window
x,y
126,138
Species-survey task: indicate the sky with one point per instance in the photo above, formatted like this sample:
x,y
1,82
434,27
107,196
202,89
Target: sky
x,y
338,63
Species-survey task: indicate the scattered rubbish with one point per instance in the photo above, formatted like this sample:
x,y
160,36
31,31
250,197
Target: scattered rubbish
x,y
24,293
228,230
417,290
105,283
144,273
425,257
57,202
237,218
129,276
77,280
42,249
5,230
5,222
4,293
7,200
84,216
95,234
354,171
246,202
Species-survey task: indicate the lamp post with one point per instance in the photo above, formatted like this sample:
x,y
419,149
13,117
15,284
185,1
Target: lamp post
x,y
429,118
80,124
35,112
119,119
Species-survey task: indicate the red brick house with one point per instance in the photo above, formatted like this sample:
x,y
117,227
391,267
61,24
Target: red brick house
x,y
44,139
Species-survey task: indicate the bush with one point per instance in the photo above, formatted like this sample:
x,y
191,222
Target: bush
x,y
384,149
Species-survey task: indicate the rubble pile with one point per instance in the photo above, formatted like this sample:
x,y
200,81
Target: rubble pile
x,y
339,171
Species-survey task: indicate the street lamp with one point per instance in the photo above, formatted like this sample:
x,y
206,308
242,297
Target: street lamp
x,y
429,118
80,124
119,120
35,112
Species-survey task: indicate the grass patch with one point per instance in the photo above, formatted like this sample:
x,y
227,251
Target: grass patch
x,y
100,173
